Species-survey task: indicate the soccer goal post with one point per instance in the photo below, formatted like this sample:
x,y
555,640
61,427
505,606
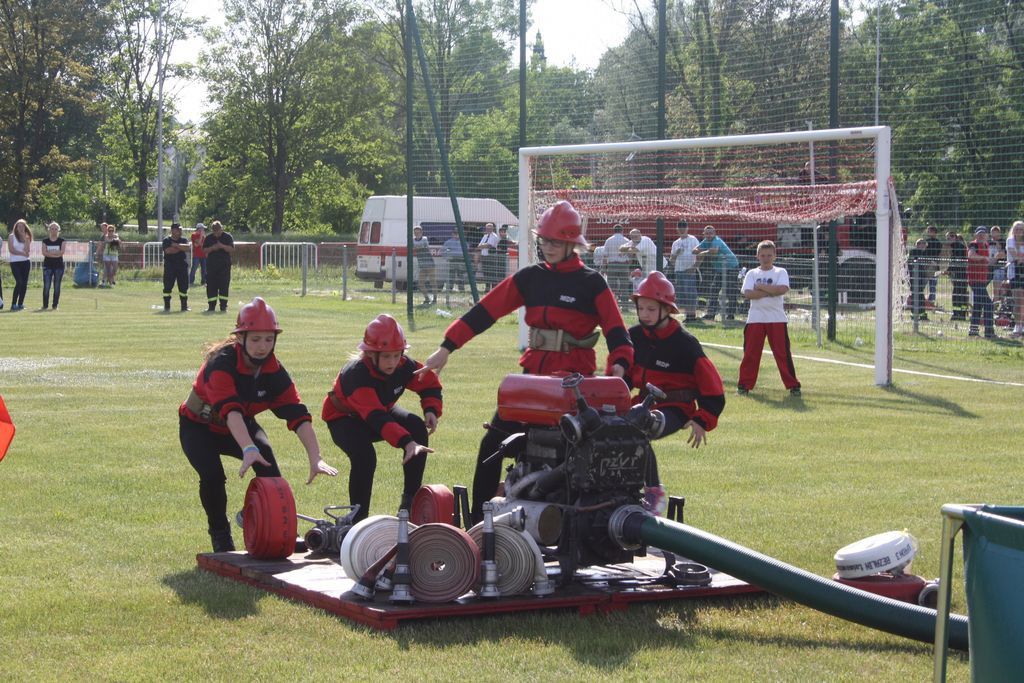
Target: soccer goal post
x,y
777,186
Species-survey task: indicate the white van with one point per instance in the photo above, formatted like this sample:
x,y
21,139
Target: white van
x,y
382,232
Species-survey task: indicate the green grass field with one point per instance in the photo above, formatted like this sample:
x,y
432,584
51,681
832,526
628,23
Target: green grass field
x,y
100,519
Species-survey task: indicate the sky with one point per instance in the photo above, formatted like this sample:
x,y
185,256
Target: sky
x,y
574,32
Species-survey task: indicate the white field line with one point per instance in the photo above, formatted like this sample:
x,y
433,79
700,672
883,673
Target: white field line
x,y
867,366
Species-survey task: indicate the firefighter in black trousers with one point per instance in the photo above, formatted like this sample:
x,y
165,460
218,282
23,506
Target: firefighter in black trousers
x,y
218,246
361,409
241,378
175,267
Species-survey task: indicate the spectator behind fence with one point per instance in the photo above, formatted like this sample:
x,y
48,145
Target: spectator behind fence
x,y
198,255
1015,272
997,254
1,279
979,264
643,249
485,249
684,264
933,252
19,242
425,271
617,265
957,272
53,264
719,269
501,255
218,245
111,254
920,275
453,254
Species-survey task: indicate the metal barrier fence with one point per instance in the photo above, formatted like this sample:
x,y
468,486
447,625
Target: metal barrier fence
x,y
153,254
289,255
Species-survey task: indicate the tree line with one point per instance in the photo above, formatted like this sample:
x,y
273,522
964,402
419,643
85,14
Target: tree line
x,y
308,106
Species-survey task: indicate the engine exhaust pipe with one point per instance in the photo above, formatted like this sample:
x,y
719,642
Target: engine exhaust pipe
x,y
543,520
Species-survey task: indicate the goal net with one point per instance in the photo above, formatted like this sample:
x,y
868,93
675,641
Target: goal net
x,y
798,189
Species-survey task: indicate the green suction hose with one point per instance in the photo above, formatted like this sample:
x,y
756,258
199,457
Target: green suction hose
x,y
631,526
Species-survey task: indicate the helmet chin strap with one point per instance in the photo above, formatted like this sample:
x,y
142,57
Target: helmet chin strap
x,y
257,361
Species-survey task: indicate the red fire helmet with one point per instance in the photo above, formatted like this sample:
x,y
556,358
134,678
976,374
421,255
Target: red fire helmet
x,y
383,334
658,287
561,222
256,316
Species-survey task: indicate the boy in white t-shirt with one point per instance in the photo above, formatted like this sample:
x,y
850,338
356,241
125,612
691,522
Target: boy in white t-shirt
x,y
765,287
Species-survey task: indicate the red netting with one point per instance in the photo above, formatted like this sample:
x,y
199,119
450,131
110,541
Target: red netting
x,y
778,203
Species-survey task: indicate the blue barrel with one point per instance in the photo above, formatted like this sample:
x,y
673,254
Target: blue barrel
x,y
86,275
994,576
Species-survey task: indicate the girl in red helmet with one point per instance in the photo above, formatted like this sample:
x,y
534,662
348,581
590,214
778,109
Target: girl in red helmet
x,y
239,379
362,409
565,302
669,357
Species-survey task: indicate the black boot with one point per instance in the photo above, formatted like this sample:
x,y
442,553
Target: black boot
x,y
222,541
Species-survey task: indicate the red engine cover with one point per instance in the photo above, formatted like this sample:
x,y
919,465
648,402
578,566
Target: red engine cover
x,y
905,587
541,400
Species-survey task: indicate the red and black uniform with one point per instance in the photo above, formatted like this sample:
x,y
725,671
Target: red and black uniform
x,y
565,296
224,384
673,360
361,410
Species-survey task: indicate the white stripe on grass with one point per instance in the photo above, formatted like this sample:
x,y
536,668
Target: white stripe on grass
x,y
868,366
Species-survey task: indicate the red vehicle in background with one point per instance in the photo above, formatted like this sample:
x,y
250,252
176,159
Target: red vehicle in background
x,y
794,242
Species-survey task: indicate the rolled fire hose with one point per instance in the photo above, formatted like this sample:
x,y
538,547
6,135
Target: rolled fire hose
x,y
513,555
367,542
444,562
269,522
631,525
432,503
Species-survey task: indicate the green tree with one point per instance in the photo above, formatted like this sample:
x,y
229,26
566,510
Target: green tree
x,y
144,33
48,54
302,126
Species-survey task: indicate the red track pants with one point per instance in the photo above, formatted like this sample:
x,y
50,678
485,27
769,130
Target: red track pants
x,y
754,335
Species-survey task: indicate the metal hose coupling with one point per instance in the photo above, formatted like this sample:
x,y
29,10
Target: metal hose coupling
x,y
624,526
488,567
402,579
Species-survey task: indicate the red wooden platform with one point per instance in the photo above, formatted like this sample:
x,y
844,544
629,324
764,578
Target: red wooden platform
x,y
322,583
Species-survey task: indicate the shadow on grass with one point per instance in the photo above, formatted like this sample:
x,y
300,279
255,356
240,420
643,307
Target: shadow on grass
x,y
612,641
780,399
220,597
938,401
762,605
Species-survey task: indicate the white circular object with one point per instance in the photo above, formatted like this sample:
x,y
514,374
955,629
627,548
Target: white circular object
x,y
891,552
367,542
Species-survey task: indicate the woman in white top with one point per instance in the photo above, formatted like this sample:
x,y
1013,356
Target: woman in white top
x,y
19,242
1015,274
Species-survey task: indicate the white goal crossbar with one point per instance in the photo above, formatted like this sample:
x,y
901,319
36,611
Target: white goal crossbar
x,y
529,210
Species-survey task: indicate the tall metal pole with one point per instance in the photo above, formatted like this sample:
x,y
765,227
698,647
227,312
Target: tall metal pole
x,y
160,122
522,76
662,128
833,122
442,147
408,164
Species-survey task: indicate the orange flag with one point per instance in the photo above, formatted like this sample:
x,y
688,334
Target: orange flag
x,y
6,429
